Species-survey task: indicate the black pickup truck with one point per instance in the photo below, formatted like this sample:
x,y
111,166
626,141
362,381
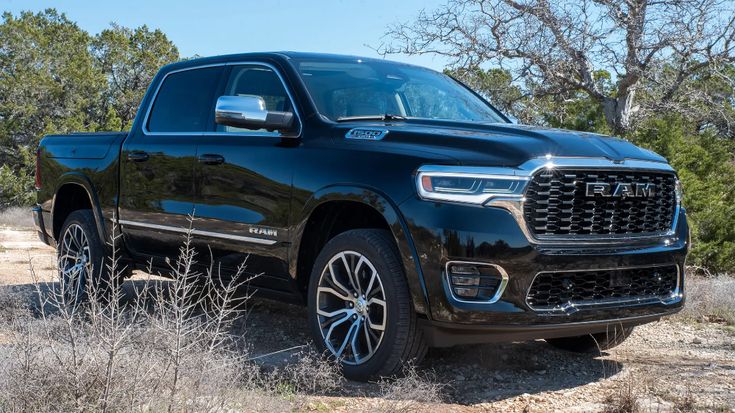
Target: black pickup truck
x,y
396,204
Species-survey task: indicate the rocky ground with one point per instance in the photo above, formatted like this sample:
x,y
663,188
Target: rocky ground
x,y
670,365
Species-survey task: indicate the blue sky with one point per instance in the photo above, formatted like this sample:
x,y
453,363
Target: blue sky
x,y
213,27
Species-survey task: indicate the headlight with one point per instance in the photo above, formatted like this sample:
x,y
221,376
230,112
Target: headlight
x,y
679,191
468,185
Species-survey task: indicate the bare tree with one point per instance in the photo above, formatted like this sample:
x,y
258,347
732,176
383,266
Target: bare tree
x,y
563,46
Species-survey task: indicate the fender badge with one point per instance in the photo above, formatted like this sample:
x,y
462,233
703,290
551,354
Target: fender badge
x,y
264,231
366,134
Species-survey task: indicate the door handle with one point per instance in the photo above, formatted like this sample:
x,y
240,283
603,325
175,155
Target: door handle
x,y
137,156
211,159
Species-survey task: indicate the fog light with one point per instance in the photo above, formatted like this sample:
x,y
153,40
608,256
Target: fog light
x,y
462,280
462,269
466,292
476,281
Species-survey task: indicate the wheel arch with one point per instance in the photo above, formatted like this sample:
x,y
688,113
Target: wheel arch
x,y
314,229
75,191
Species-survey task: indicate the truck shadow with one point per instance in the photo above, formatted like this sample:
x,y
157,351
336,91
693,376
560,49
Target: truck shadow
x,y
469,374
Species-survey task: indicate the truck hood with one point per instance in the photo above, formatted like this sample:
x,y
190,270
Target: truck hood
x,y
497,144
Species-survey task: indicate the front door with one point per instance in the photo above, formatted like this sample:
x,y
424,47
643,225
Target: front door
x,y
158,162
243,183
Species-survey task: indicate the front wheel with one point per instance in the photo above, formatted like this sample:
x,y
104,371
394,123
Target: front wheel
x,y
591,343
360,309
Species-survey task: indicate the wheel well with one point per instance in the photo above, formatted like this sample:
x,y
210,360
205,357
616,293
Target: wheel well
x,y
69,198
327,221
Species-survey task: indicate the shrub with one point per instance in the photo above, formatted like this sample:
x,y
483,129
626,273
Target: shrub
x,y
313,373
706,168
172,346
16,183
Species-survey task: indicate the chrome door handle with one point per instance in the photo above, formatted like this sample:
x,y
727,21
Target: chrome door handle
x,y
211,159
138,156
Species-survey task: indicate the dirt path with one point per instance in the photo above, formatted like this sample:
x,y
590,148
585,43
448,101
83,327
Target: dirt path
x,y
668,365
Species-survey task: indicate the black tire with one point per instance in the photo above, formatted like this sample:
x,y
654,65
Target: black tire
x,y
401,341
593,343
76,288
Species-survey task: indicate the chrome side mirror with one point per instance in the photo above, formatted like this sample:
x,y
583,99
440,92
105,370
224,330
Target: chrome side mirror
x,y
249,112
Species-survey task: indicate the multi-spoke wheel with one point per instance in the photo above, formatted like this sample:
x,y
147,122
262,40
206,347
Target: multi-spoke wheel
x,y
75,264
80,258
360,309
351,307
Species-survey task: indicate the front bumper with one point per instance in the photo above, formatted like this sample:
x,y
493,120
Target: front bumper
x,y
443,334
452,232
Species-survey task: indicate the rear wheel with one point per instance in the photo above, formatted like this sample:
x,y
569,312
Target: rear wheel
x,y
592,343
360,309
81,259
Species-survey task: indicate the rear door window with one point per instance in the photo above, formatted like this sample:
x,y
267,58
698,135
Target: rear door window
x,y
185,101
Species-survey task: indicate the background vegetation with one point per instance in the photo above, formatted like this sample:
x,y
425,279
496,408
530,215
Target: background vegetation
x,y
676,97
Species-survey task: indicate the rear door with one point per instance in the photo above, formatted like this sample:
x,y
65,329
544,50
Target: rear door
x,y
244,184
157,162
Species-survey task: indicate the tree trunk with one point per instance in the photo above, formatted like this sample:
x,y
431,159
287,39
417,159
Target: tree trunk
x,y
618,111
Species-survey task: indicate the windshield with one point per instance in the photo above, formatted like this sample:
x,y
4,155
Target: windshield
x,y
344,90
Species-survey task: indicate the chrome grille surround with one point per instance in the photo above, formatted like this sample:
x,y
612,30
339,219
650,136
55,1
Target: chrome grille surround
x,y
556,204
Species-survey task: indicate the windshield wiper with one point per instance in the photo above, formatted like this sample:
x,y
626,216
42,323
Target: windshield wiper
x,y
387,116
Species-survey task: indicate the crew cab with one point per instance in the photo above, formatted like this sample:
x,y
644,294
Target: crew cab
x,y
400,207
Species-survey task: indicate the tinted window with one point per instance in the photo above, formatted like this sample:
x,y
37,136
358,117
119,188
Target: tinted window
x,y
342,89
184,101
258,81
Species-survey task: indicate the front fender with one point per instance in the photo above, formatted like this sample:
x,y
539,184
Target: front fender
x,y
383,205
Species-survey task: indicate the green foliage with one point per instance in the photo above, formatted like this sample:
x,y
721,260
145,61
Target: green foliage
x,y
48,83
705,166
576,113
56,78
129,58
16,184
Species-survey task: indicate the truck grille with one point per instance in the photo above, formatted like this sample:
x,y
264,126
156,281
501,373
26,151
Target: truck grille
x,y
557,204
553,290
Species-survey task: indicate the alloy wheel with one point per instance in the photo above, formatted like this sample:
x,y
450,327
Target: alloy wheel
x,y
351,307
75,262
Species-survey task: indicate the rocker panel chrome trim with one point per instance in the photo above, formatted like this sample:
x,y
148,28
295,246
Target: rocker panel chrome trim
x,y
198,232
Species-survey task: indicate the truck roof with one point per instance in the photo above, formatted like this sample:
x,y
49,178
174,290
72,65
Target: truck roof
x,y
274,55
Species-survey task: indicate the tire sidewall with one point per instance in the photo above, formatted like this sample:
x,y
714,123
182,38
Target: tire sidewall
x,y
351,241
85,220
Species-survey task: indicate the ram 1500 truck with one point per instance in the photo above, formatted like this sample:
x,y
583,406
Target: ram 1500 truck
x,y
395,203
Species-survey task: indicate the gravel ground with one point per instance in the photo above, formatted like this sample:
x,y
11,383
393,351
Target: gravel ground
x,y
668,366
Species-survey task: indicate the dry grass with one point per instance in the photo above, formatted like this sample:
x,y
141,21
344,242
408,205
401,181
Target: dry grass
x,y
174,346
628,393
409,392
710,299
16,217
312,373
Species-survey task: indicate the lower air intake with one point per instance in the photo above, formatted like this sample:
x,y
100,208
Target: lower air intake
x,y
553,291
